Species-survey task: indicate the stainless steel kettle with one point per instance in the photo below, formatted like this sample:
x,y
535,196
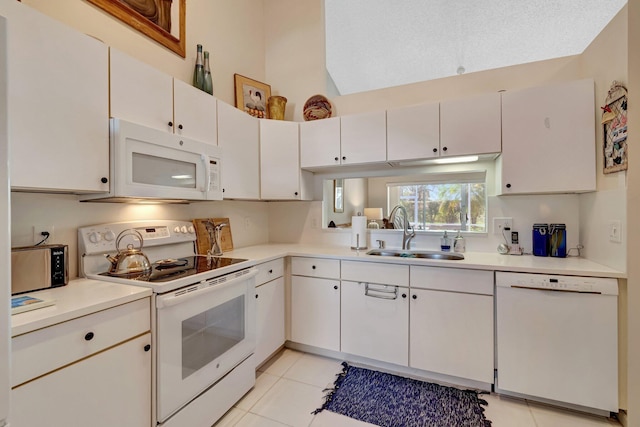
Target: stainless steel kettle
x,y
130,262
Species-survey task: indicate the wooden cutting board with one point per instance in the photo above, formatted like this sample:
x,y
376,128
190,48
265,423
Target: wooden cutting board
x,y
203,241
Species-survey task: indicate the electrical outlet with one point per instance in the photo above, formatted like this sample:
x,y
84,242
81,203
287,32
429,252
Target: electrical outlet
x,y
38,236
314,222
615,231
247,223
500,223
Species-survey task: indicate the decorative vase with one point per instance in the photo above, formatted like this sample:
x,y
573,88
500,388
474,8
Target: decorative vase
x,y
276,105
208,81
198,72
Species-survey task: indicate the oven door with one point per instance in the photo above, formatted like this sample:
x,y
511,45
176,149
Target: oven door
x,y
203,332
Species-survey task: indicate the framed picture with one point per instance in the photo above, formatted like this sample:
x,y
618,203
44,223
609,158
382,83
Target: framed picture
x,y
614,122
251,96
161,20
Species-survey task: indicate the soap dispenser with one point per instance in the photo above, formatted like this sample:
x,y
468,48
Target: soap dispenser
x,y
445,243
459,243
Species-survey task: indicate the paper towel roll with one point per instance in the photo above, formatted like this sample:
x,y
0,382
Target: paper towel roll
x,y
358,232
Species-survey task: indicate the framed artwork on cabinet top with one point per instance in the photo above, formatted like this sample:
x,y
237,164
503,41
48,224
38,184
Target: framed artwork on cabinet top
x,y
160,20
252,96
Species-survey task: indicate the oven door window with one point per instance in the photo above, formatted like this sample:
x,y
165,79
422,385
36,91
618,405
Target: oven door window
x,y
209,335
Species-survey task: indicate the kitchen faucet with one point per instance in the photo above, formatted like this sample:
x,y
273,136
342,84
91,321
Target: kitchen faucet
x,y
408,232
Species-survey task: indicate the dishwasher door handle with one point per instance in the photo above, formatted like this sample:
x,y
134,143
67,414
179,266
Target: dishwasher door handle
x,y
569,291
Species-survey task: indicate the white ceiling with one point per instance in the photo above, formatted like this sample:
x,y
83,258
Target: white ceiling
x,y
373,44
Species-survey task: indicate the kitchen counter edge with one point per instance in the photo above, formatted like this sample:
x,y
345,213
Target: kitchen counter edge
x,y
80,297
571,266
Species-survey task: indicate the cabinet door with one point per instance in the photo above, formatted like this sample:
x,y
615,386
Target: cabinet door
x,y
452,334
315,312
140,93
238,135
112,388
194,113
549,139
269,319
375,323
58,89
470,125
413,132
363,138
320,143
279,160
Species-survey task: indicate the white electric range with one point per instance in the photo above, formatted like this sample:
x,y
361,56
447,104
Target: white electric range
x,y
203,316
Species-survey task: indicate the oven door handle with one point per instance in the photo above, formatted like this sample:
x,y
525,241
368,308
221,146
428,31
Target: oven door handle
x,y
179,297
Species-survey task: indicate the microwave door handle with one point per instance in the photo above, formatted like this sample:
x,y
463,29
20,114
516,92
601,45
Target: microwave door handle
x,y
207,172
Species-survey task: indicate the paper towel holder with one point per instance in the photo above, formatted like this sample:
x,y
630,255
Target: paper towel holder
x,y
359,233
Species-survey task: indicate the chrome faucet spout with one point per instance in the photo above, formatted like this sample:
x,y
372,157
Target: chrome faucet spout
x,y
408,232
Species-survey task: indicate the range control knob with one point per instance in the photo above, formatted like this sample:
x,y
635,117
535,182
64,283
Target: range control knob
x,y
94,237
109,236
183,229
176,229
191,229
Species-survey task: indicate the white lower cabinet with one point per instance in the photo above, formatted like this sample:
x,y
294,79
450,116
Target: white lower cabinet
x,y
451,324
315,312
270,310
375,321
94,370
111,388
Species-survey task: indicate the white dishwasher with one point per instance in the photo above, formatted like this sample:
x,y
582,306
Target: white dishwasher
x,y
557,339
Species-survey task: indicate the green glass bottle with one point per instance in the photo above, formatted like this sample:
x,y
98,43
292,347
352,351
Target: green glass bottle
x,y
208,81
198,72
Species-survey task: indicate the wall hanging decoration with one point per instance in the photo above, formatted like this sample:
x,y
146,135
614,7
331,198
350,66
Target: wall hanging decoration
x,y
251,96
614,122
317,107
161,20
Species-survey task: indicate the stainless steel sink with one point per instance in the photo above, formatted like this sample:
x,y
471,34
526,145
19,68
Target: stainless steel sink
x,y
416,254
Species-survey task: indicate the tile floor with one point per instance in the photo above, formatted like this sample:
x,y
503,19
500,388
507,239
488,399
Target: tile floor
x,y
289,387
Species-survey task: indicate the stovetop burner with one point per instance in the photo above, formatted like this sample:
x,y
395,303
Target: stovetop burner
x,y
171,269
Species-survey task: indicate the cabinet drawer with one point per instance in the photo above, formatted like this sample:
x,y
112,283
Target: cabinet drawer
x,y
269,270
47,349
315,267
452,279
372,272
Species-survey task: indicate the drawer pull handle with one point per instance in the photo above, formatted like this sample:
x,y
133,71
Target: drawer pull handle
x,y
147,347
313,267
270,271
256,296
335,286
89,336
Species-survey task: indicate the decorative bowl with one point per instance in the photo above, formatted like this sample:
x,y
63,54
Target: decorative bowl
x,y
317,107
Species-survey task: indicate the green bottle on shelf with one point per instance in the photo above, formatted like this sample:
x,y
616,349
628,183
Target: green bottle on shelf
x,y
208,81
198,72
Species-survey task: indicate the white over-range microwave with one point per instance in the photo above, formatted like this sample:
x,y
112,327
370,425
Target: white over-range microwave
x,y
148,164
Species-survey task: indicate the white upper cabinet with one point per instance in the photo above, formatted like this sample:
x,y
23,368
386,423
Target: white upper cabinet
x,y
238,136
145,95
320,143
548,139
140,93
194,113
281,177
58,104
413,132
363,138
470,125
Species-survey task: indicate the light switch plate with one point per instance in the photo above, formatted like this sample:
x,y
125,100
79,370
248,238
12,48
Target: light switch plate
x,y
615,231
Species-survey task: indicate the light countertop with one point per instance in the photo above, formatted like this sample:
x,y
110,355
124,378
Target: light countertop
x,y
79,298
572,266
